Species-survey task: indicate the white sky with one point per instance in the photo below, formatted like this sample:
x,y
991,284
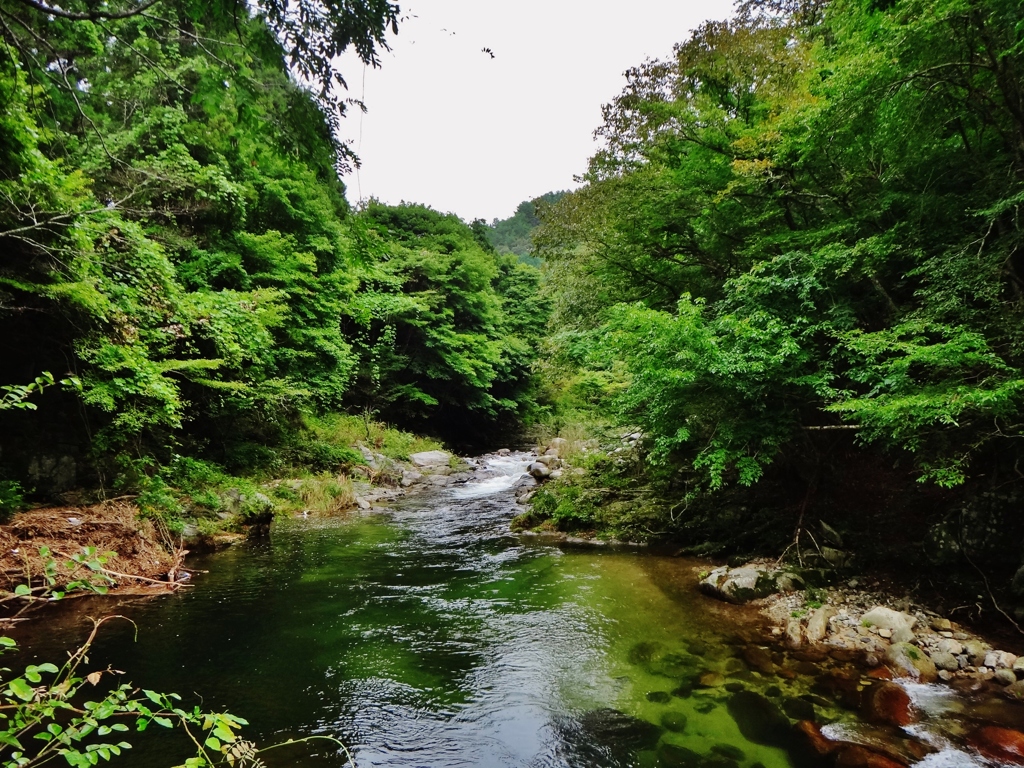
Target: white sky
x,y
451,127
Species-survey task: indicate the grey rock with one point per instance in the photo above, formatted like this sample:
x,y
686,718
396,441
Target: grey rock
x,y
817,624
999,660
411,477
1004,676
738,585
951,646
362,503
539,470
945,660
789,582
887,619
910,661
794,634
551,462
430,458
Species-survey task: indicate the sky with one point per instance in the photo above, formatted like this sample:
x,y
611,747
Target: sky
x,y
452,127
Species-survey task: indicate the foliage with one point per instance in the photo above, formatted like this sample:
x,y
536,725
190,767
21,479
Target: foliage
x,y
175,232
61,711
444,321
515,234
804,225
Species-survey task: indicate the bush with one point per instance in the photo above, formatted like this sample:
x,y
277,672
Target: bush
x,y
12,498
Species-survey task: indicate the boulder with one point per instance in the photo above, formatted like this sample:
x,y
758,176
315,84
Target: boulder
x,y
1015,690
794,634
738,585
887,619
952,647
908,660
759,719
976,651
999,660
810,745
946,661
1002,744
789,582
710,680
887,704
430,458
538,470
759,659
817,624
1004,677
411,477
551,462
854,756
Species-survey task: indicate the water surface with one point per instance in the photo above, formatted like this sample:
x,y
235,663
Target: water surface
x,y
429,636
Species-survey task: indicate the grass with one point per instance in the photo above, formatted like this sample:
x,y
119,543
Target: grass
x,y
345,430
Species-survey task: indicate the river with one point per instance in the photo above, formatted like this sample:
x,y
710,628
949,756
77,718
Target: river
x,y
429,636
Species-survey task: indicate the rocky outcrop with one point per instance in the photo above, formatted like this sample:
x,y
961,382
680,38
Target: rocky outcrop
x,y
739,585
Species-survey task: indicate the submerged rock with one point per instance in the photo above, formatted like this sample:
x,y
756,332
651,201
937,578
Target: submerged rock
x,y
674,721
1003,744
759,720
673,756
611,727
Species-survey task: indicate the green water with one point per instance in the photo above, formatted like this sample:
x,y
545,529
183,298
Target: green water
x,y
428,636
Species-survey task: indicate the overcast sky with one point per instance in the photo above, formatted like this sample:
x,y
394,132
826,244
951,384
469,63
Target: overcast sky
x,y
452,127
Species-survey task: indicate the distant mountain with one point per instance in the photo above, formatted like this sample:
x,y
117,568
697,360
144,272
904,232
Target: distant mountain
x,y
513,235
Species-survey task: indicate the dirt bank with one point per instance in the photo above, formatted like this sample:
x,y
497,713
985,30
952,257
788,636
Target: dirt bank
x,y
140,558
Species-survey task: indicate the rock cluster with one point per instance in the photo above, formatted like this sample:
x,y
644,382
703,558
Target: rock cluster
x,y
918,645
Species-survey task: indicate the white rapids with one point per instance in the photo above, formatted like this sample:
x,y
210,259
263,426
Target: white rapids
x,y
499,473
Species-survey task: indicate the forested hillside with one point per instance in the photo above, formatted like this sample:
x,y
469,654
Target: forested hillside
x,y
515,234
177,248
796,268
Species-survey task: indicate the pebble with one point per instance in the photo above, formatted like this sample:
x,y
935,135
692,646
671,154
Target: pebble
x,y
886,633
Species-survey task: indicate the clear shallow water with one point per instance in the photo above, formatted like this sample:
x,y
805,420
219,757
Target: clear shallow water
x,y
429,636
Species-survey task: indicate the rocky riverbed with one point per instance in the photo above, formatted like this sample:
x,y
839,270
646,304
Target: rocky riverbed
x,y
927,690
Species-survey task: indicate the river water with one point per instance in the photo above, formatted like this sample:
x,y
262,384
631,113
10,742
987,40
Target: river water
x,y
429,636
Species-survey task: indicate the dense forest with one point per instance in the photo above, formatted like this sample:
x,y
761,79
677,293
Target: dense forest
x,y
178,250
796,268
782,315
792,273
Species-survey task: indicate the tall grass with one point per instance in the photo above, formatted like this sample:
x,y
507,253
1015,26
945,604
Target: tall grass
x,y
345,430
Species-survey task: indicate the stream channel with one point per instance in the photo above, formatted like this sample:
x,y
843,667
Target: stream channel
x,y
429,636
